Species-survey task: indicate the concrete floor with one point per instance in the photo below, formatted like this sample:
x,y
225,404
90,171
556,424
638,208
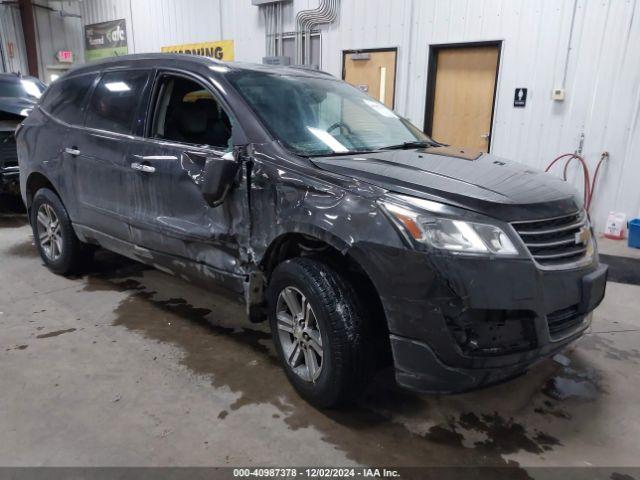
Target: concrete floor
x,y
128,366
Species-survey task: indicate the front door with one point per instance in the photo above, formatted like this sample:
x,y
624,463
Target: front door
x,y
373,72
98,151
187,128
461,95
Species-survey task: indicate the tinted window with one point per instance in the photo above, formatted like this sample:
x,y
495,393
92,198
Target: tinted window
x,y
114,102
188,113
64,98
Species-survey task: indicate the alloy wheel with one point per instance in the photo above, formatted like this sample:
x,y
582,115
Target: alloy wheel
x,y
299,334
49,232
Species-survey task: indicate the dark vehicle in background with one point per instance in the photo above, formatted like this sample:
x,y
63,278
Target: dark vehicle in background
x,y
365,243
18,95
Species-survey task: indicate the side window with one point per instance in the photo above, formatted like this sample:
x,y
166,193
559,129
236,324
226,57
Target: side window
x,y
186,112
114,101
64,99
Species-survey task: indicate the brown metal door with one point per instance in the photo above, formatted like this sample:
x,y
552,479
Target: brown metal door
x,y
465,81
373,72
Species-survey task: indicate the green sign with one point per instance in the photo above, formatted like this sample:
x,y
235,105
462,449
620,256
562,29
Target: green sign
x,y
106,39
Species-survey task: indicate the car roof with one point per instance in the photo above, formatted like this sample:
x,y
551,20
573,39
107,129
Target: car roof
x,y
170,59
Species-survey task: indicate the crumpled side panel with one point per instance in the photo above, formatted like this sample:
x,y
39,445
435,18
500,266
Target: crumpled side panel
x,y
337,210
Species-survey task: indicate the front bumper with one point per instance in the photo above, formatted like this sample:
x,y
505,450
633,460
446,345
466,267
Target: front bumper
x,y
458,323
9,179
9,170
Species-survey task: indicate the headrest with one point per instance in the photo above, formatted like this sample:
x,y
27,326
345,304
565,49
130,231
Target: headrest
x,y
191,119
210,106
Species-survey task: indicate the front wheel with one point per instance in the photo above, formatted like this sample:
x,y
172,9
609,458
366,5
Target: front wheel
x,y
318,328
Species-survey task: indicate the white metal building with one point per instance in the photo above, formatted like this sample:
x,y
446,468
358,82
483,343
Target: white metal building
x,y
588,48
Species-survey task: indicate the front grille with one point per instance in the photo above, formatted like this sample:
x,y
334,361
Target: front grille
x,y
556,242
563,321
8,146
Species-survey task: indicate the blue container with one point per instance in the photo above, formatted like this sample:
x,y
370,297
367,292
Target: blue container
x,y
634,233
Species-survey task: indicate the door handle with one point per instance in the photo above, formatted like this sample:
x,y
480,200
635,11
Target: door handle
x,y
72,151
143,168
156,157
485,136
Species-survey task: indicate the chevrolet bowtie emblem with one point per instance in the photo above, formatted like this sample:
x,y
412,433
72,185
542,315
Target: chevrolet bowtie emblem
x,y
583,236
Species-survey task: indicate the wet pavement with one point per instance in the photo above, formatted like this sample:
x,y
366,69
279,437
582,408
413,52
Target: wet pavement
x,y
127,366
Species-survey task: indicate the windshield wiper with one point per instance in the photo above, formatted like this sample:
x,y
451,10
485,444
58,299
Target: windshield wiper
x,y
408,145
340,154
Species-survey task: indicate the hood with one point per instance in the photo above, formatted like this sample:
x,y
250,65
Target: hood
x,y
16,105
472,180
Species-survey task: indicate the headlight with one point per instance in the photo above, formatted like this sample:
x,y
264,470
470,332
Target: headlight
x,y
451,234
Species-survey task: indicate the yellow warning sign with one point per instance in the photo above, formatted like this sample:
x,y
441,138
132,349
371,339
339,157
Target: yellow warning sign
x,y
221,50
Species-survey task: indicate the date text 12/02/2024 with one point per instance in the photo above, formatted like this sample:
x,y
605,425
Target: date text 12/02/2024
x,y
315,473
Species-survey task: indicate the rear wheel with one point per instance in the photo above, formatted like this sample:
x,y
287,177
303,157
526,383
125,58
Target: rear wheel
x,y
59,248
317,326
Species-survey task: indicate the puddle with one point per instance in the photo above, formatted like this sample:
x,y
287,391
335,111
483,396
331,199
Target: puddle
x,y
12,221
12,213
600,343
574,381
56,333
550,408
217,343
19,347
506,435
562,388
24,249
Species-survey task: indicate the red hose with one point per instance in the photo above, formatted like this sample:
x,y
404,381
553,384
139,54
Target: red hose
x,y
585,172
603,157
589,185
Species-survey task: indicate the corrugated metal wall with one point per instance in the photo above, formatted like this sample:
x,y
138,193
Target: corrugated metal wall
x,y
602,74
11,33
56,32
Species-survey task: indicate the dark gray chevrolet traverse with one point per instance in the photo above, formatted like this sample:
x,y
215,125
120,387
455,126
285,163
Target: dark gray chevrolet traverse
x,y
364,242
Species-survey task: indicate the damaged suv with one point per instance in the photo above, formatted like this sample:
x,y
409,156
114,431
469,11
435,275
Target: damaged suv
x,y
18,95
365,243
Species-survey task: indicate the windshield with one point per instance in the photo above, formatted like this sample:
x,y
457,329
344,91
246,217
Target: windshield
x,y
21,88
317,116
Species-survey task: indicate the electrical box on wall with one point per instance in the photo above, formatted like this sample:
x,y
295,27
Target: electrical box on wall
x,y
558,94
276,60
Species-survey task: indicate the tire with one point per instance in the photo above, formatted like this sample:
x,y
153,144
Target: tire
x,y
344,369
59,248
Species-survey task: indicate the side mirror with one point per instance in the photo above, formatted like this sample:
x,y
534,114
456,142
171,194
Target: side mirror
x,y
218,176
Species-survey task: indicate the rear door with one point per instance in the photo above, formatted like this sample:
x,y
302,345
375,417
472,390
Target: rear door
x,y
187,127
63,105
99,150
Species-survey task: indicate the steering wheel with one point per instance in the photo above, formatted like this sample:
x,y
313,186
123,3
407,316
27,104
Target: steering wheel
x,y
340,124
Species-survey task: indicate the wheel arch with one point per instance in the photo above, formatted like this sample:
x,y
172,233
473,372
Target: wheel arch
x,y
35,182
338,255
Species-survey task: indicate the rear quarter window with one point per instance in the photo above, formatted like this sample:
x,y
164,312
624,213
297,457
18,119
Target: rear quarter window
x,y
64,99
115,100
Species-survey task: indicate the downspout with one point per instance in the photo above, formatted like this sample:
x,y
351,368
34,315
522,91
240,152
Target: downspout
x,y
131,29
566,60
